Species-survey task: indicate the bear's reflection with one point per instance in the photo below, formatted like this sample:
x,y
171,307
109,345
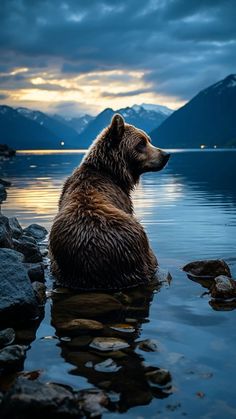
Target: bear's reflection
x,y
100,335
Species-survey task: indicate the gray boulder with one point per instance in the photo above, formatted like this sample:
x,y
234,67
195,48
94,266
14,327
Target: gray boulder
x,y
30,250
3,193
7,336
15,227
36,231
35,271
29,399
12,357
5,232
18,301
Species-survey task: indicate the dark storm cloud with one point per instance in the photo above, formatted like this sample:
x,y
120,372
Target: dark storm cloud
x,y
181,46
128,93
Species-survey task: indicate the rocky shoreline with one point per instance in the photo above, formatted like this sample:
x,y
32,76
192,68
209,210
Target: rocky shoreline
x,y
103,327
98,333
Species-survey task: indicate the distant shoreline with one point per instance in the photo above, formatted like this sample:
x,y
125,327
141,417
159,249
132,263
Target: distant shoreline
x,y
82,151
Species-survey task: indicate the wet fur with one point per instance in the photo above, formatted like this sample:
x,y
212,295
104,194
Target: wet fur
x,y
96,242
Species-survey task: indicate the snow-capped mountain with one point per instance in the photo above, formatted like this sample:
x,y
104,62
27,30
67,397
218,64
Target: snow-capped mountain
x,y
156,108
209,119
77,123
146,119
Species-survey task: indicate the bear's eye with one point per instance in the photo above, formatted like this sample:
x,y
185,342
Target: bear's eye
x,y
141,145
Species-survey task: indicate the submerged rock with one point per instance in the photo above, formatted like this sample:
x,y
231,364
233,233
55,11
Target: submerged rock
x,y
93,402
159,376
76,325
108,365
222,305
87,305
148,345
12,357
37,231
80,341
207,268
7,336
108,344
223,287
18,302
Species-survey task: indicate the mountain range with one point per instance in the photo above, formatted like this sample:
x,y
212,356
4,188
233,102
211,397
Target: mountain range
x,y
23,128
209,119
146,117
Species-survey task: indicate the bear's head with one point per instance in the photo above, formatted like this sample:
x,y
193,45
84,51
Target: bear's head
x,y
125,152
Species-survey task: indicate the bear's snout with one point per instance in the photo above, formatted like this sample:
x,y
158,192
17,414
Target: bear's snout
x,y
156,159
165,156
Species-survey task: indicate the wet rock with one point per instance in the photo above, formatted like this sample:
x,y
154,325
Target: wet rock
x,y
87,305
26,336
123,328
222,305
148,345
30,250
35,271
80,341
6,151
32,399
81,359
93,402
5,232
40,291
3,193
108,344
207,268
29,239
36,231
12,357
159,376
77,325
108,365
18,302
15,227
5,183
7,336
223,287
31,375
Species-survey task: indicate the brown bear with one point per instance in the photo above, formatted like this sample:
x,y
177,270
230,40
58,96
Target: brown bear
x,y
96,243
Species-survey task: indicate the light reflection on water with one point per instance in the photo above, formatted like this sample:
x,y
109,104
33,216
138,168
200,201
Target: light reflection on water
x,y
189,212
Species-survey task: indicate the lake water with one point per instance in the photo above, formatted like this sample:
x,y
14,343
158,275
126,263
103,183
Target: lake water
x,y
189,213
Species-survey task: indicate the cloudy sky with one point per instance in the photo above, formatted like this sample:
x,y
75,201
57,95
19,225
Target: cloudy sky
x,y
78,56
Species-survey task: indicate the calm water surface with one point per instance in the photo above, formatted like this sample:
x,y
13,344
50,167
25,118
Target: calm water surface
x,y
189,213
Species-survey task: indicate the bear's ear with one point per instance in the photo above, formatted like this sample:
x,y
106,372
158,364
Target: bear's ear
x,y
117,126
